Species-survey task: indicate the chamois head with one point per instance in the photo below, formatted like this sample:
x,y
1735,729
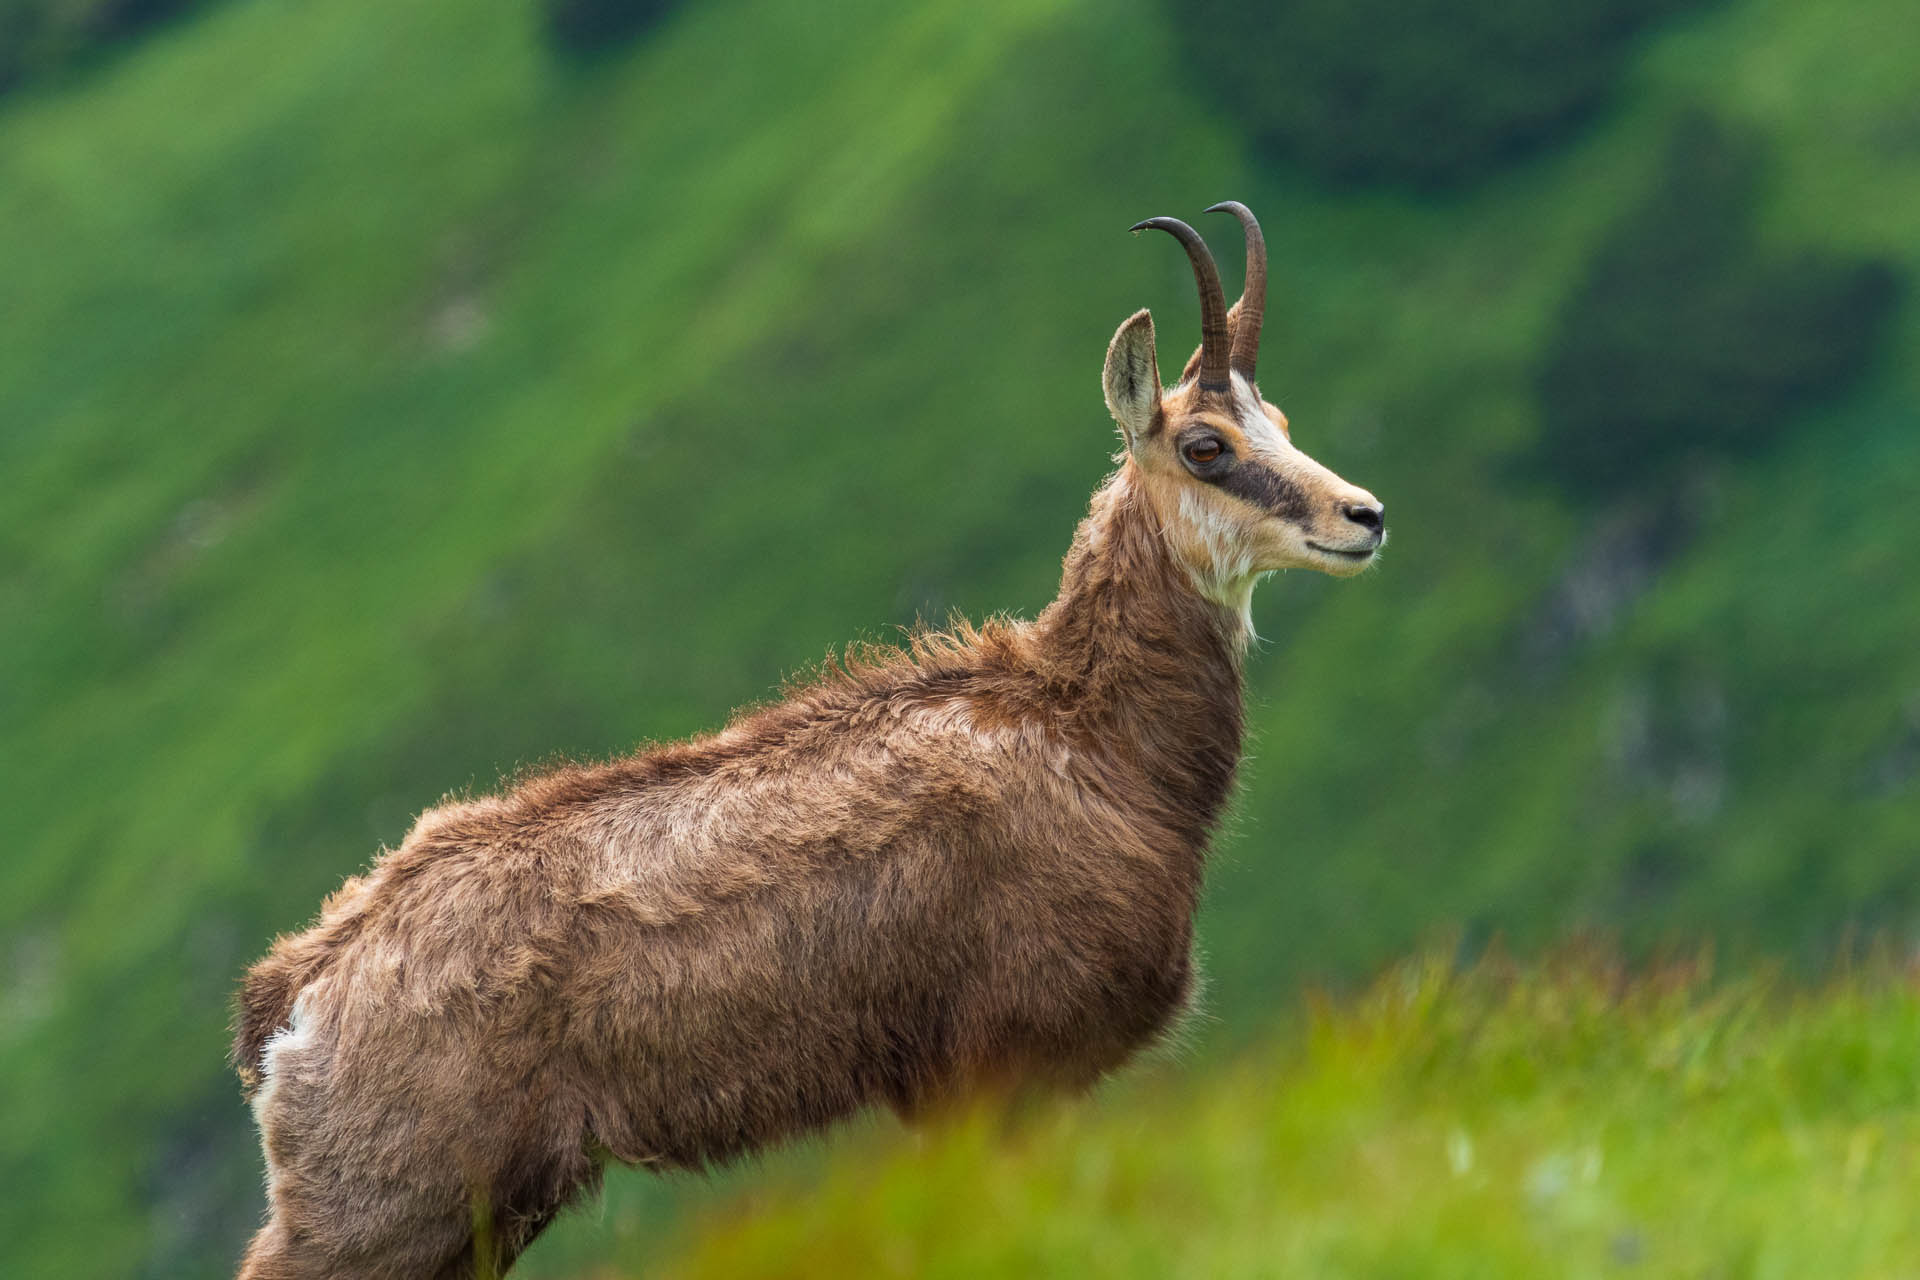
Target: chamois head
x,y
1235,497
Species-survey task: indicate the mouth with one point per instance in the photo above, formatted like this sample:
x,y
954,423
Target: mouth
x,y
1356,557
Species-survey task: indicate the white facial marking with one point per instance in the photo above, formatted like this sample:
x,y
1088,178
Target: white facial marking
x,y
1225,572
1263,438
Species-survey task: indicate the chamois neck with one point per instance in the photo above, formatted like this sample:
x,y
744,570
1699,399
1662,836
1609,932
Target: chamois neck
x,y
1151,667
1124,603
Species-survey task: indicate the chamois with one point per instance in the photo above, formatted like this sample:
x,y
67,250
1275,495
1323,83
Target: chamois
x,y
970,865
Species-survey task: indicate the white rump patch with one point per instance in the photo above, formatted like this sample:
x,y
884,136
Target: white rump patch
x,y
295,1036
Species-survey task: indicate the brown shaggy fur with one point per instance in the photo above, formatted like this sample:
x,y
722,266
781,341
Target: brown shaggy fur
x,y
972,864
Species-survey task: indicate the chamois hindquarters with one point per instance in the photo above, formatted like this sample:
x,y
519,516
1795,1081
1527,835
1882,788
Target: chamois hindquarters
x,y
267,997
391,1136
414,1079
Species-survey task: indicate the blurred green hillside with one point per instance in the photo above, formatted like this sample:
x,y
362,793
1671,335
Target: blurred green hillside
x,y
386,402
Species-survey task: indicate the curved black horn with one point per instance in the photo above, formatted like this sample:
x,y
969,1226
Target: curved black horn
x,y
1213,305
1253,298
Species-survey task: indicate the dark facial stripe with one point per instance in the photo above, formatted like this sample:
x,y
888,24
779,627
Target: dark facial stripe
x,y
1266,489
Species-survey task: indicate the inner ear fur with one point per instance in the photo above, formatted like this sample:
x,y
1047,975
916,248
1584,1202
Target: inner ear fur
x,y
1132,378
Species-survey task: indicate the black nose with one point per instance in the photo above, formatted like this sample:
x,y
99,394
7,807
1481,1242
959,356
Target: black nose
x,y
1367,517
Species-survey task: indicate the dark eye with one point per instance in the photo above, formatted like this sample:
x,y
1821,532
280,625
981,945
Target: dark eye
x,y
1203,451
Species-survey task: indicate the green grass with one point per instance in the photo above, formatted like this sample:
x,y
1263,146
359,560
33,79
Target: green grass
x,y
383,404
1563,1119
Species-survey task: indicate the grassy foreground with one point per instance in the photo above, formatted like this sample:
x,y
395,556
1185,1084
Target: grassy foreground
x,y
1566,1119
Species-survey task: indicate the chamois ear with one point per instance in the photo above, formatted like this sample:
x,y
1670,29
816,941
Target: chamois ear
x,y
1132,378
